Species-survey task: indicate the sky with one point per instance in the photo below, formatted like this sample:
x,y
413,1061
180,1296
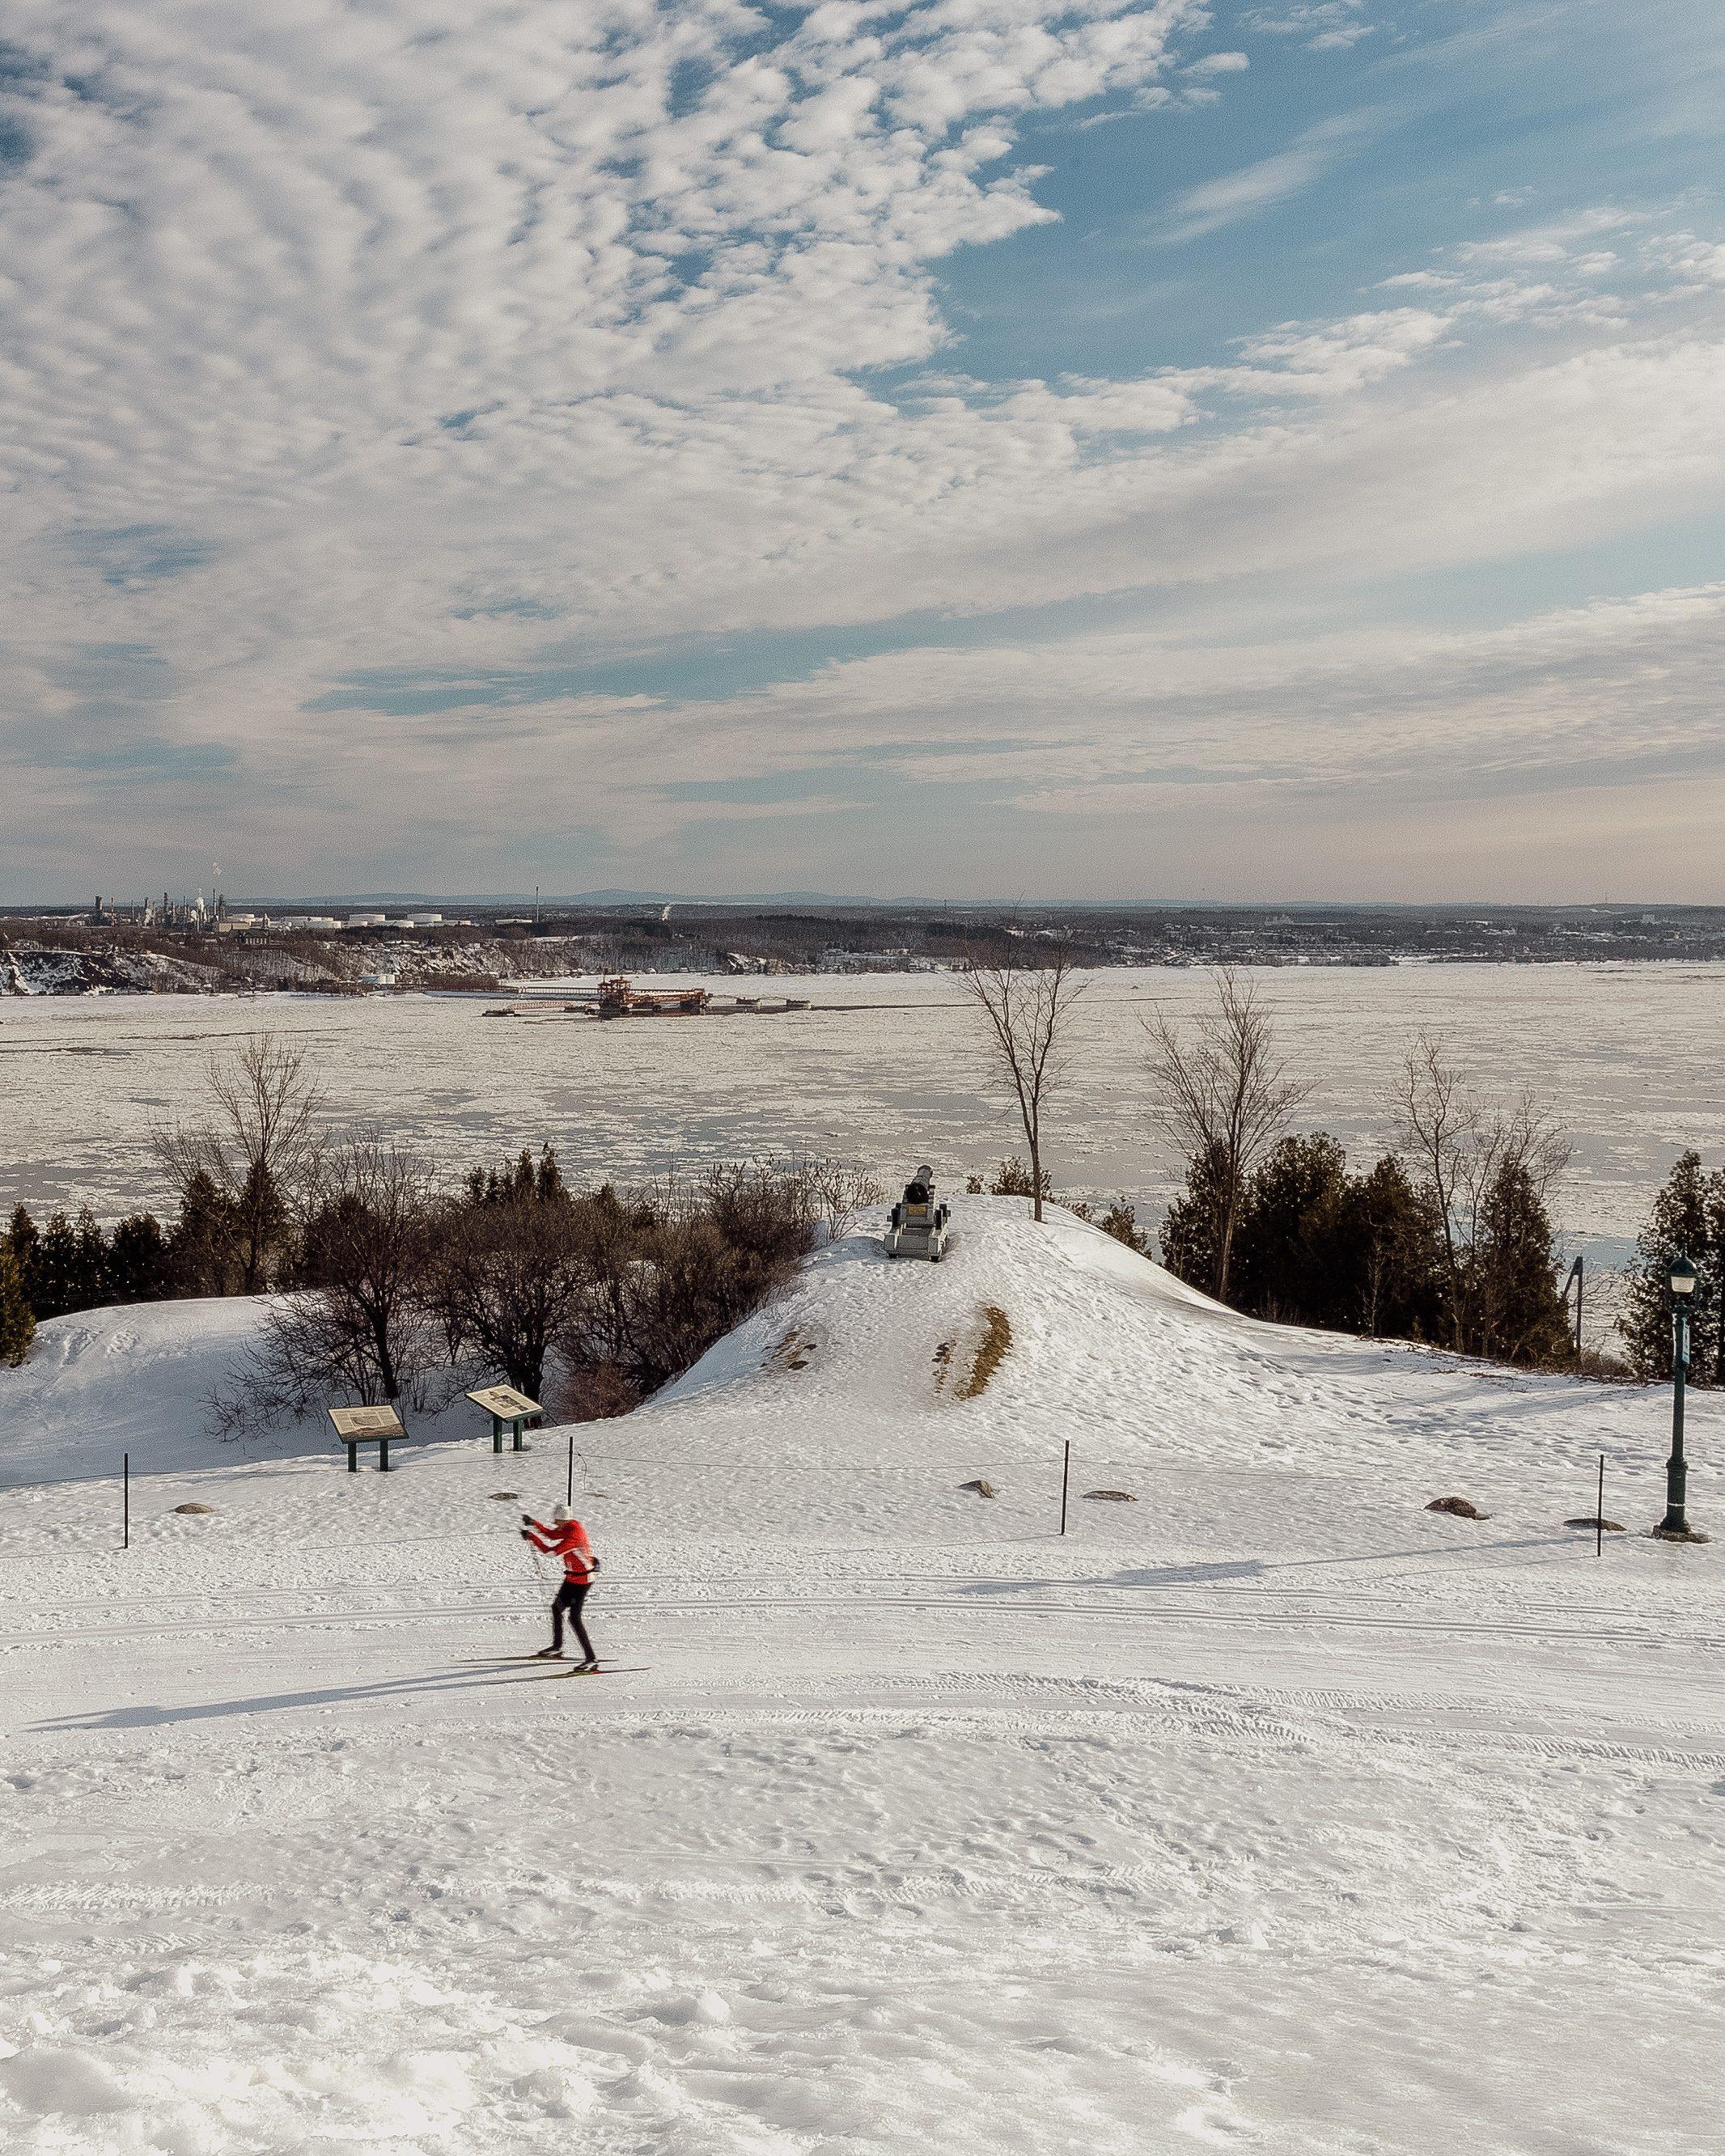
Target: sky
x,y
1126,450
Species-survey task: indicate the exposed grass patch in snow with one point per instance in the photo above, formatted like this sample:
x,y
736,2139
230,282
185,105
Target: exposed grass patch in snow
x,y
991,1352
794,1351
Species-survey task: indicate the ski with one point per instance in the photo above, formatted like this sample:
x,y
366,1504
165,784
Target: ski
x,y
497,1660
604,1670
508,1661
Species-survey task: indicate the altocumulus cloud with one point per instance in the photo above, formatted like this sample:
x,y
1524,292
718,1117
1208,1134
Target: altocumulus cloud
x,y
453,345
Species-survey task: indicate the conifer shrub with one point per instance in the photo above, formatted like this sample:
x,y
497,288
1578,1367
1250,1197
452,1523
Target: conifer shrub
x,y
17,1321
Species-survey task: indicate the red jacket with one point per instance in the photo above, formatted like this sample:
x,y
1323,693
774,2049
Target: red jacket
x,y
568,1542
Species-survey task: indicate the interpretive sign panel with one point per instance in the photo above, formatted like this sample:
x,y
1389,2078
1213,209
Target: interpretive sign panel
x,y
504,1401
352,1423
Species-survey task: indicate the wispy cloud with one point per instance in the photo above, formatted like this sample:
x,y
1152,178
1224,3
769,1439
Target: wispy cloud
x,y
1254,188
365,394
1324,25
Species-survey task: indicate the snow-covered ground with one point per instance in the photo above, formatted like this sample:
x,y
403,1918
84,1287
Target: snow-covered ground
x,y
1268,1812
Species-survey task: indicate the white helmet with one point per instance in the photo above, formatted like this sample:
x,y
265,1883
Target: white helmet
x,y
559,1513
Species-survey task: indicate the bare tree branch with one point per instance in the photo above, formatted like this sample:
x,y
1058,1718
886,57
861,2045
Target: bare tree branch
x,y
1027,1003
1223,1092
360,1327
257,1145
1465,1152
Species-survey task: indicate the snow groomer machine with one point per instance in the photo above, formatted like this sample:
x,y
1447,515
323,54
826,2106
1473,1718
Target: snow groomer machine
x,y
918,1227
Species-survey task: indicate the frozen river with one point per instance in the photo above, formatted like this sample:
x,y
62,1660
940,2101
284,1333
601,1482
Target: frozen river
x,y
886,1070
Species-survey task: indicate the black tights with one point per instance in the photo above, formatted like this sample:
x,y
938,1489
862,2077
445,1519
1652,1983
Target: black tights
x,y
570,1596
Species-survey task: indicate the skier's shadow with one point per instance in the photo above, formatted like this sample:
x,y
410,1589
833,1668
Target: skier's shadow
x,y
1251,1568
1166,1575
214,1709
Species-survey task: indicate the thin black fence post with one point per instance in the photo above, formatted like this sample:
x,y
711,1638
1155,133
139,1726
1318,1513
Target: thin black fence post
x,y
1065,1477
1599,1517
569,1491
125,1501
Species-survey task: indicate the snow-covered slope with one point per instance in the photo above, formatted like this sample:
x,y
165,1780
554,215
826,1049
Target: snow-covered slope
x,y
1268,1810
139,1380
105,1382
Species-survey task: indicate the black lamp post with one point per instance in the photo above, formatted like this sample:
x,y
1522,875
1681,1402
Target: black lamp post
x,y
1675,1522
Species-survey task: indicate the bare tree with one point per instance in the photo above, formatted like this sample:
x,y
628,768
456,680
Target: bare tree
x,y
1223,1093
257,1145
1438,1126
1467,1154
507,1280
1026,1000
359,1327
843,1190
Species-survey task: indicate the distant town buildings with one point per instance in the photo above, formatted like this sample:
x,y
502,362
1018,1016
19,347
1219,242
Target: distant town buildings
x,y
215,916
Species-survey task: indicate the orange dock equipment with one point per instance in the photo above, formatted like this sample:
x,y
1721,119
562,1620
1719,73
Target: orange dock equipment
x,y
618,997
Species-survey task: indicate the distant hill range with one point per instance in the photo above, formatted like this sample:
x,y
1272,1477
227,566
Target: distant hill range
x,y
549,900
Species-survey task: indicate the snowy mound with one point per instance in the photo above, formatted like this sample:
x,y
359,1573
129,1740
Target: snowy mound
x,y
1066,1288
135,1379
138,1379
1029,1336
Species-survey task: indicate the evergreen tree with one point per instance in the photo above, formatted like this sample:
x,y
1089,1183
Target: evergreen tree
x,y
1286,1255
17,1321
261,1232
522,1181
1518,1315
89,1277
1121,1221
1710,1369
1683,1220
1192,1233
1391,1247
21,1238
69,1266
548,1178
54,1275
202,1253
139,1269
1012,1180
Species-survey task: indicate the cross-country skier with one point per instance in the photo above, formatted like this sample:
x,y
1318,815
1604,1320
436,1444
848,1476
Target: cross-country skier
x,y
567,1539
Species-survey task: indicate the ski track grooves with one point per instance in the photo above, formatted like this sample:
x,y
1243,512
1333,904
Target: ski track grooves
x,y
1006,1602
